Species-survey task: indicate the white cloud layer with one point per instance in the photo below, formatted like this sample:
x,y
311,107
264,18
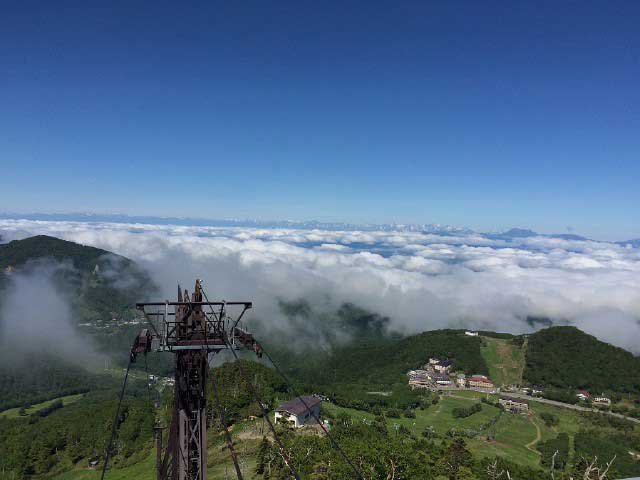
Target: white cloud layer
x,y
421,281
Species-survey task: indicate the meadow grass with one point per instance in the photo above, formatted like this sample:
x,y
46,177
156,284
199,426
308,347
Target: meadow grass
x,y
505,360
439,417
513,433
15,412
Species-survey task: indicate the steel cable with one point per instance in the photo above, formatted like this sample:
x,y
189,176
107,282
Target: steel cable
x,y
265,413
226,428
315,417
114,427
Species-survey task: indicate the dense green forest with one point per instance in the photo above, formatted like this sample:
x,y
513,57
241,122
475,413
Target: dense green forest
x,y
19,252
555,451
235,393
565,357
40,445
606,445
43,377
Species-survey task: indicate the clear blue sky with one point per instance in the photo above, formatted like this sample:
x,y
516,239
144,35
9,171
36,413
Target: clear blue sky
x,y
485,114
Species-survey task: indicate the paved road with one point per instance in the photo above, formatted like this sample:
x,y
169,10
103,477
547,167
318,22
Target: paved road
x,y
542,400
570,406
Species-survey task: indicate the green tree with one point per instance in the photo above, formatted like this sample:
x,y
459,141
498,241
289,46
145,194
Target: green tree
x,y
264,451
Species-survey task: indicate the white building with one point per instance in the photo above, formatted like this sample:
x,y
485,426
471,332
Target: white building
x,y
461,380
441,378
419,378
443,366
583,395
471,334
514,404
299,411
480,381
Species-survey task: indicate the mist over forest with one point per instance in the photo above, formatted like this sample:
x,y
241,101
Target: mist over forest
x,y
419,281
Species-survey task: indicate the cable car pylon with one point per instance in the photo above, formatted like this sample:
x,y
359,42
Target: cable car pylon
x,y
191,329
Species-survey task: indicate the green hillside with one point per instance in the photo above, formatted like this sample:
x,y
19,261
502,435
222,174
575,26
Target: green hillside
x,y
417,439
372,373
19,252
505,359
100,284
566,357
41,378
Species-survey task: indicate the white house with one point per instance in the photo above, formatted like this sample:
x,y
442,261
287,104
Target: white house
x,y
299,411
461,380
583,395
471,334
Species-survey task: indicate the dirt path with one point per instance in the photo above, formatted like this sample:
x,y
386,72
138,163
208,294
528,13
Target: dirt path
x,y
533,443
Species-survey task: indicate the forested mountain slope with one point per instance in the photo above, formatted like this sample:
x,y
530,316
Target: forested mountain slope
x,y
100,284
566,357
44,353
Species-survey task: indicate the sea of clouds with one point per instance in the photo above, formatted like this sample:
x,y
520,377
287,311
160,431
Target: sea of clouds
x,y
421,281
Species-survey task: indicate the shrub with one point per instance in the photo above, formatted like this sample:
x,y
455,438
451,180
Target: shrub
x,y
393,413
549,419
459,412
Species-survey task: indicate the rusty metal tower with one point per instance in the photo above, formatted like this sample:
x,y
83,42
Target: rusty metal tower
x,y
191,329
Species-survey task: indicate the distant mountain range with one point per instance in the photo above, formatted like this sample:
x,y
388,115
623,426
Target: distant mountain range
x,y
440,229
524,233
233,222
634,243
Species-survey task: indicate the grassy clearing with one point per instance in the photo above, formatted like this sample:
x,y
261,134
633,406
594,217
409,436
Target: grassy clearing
x,y
144,470
505,360
517,435
15,412
570,420
439,416
513,434
471,394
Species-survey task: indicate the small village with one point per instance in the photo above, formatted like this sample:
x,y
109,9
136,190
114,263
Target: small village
x,y
439,375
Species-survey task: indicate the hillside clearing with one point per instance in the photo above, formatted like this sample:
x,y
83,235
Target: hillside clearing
x,y
504,359
15,412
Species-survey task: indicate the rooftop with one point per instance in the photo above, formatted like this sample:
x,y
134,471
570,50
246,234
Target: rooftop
x,y
514,399
297,405
480,378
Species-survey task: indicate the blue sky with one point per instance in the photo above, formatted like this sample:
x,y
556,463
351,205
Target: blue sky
x,y
485,114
